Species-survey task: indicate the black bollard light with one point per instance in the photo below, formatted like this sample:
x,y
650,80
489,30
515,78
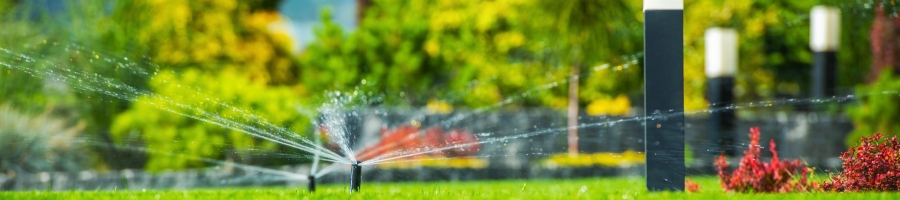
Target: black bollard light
x,y
664,94
312,182
824,41
355,176
721,67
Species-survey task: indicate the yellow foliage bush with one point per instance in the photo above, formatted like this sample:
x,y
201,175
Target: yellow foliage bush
x,y
606,159
616,107
216,34
437,162
437,106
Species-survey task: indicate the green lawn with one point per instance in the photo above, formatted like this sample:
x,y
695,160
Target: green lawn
x,y
606,188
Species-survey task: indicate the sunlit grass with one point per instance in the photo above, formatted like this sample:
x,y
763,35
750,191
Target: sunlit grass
x,y
594,188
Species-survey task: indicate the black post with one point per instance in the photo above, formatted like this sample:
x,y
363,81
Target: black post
x,y
312,182
721,121
824,70
824,41
664,94
355,177
721,67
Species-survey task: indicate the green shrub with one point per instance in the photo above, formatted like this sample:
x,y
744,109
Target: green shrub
x,y
191,112
878,109
39,143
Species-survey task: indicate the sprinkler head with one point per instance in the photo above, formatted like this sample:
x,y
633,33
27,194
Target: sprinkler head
x,y
312,182
355,176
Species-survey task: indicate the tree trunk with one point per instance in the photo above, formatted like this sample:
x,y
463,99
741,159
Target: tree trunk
x,y
361,6
573,111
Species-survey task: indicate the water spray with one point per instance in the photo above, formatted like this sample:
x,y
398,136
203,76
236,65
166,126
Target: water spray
x,y
355,176
311,185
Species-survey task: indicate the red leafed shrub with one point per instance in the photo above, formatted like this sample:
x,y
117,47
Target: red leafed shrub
x,y
691,186
754,175
873,165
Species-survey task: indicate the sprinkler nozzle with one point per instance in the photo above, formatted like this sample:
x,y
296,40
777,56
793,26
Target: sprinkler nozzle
x,y
312,182
355,176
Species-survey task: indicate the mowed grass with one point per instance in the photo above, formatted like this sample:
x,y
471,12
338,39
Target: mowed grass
x,y
593,188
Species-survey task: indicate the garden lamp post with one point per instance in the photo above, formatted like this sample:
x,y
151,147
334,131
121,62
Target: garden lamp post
x,y
664,94
721,66
824,41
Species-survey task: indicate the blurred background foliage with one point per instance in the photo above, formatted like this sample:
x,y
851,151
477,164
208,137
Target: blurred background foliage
x,y
164,131
40,142
438,54
479,53
209,52
775,60
878,109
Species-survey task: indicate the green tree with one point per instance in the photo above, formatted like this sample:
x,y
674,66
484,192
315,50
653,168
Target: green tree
x,y
477,53
877,108
602,38
197,100
220,62
775,59
410,57
772,39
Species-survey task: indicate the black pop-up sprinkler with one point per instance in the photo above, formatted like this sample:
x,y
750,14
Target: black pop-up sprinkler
x,y
312,182
355,176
